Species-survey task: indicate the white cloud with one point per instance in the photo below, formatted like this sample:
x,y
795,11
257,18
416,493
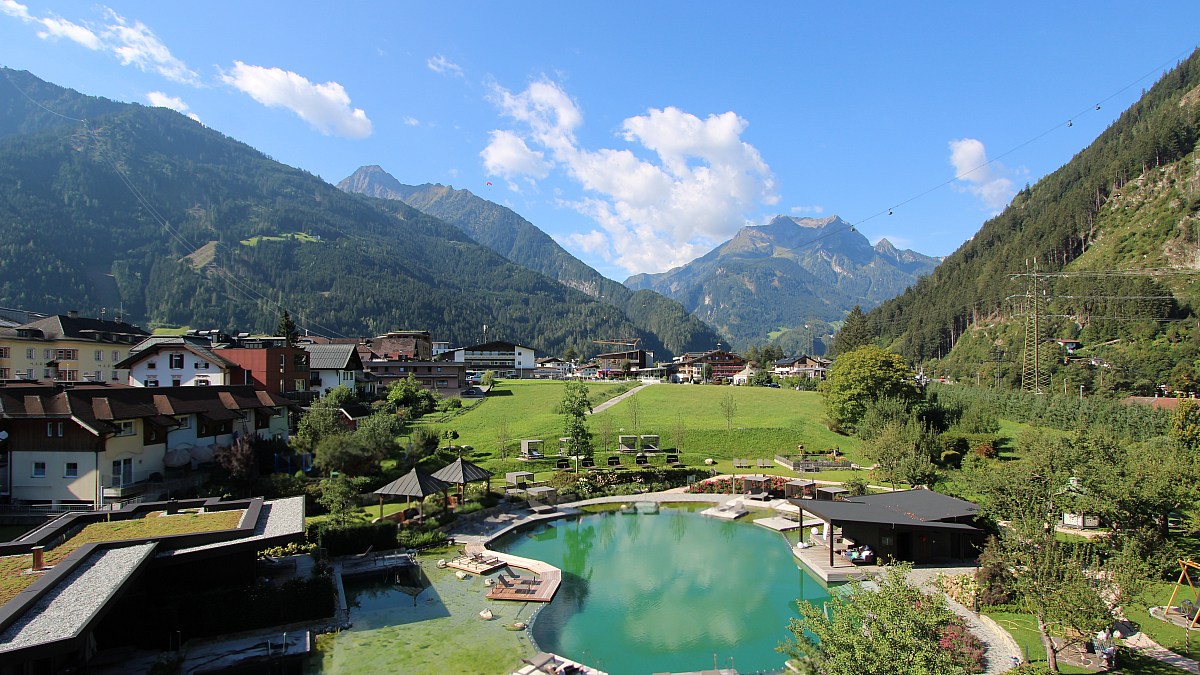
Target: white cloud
x,y
55,28
813,208
137,45
412,121
15,10
160,100
440,64
507,155
977,176
325,106
133,44
653,213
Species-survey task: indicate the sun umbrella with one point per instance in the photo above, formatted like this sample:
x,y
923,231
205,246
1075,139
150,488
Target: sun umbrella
x,y
415,483
461,472
177,457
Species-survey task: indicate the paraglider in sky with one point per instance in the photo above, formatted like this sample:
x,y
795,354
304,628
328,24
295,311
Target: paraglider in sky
x,y
489,182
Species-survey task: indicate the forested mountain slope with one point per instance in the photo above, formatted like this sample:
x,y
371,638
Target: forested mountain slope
x,y
665,326
1125,205
146,210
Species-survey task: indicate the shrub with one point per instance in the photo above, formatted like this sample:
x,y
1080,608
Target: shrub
x,y
951,459
966,649
987,450
418,539
355,539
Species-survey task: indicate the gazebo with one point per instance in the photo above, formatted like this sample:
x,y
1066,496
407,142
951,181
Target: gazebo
x,y
517,480
461,472
415,483
800,489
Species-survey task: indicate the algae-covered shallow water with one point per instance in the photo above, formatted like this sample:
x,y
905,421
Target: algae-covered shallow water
x,y
427,622
669,592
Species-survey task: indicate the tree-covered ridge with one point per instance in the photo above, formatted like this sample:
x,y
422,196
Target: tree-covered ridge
x,y
102,215
665,326
1074,218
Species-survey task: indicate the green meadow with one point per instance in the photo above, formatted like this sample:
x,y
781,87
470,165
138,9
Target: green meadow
x,y
766,421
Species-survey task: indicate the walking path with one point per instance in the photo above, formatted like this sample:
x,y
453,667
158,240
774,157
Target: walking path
x,y
1143,643
1002,653
617,399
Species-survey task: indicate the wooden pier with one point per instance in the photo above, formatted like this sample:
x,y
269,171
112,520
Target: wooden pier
x,y
521,589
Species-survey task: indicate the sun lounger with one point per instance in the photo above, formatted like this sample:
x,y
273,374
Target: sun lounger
x,y
615,460
641,460
588,463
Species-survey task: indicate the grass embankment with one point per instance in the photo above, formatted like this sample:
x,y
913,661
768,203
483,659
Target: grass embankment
x,y
767,422
13,577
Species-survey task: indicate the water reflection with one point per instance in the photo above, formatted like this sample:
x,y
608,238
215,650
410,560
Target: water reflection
x,y
646,593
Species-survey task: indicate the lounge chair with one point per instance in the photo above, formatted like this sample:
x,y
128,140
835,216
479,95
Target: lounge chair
x,y
615,460
764,463
588,463
641,460
562,464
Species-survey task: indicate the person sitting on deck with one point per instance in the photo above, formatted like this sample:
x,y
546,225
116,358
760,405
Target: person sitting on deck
x,y
859,555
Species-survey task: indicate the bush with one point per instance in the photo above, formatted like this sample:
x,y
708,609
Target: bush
x,y
967,650
987,450
355,539
418,539
951,459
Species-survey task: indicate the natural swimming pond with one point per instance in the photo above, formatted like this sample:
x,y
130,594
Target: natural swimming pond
x,y
673,591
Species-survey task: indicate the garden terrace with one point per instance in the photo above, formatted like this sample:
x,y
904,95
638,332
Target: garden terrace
x,y
45,621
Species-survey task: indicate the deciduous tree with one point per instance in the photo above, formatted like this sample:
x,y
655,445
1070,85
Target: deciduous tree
x,y
863,375
574,407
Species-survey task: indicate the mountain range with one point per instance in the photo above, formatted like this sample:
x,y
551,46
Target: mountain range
x,y
504,231
781,275
146,213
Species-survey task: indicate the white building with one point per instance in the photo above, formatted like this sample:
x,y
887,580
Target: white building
x,y
505,359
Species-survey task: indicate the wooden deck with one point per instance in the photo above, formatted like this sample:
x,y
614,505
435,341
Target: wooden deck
x,y
816,558
483,564
548,579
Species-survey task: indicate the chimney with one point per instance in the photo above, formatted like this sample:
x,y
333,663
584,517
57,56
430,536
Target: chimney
x,y
39,562
72,314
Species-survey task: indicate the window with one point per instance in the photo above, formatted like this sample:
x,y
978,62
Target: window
x,y
69,375
202,365
3,373
185,421
201,381
48,354
176,381
71,470
39,470
67,354
151,382
152,365
52,427
176,361
282,361
114,376
31,353
4,352
300,385
125,428
116,356
99,354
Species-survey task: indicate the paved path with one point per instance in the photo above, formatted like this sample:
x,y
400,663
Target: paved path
x,y
1143,643
617,399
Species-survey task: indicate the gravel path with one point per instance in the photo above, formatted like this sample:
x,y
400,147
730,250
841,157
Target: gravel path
x,y
1002,651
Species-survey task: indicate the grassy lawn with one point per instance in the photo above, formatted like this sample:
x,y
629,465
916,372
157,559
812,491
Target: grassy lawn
x,y
13,579
767,422
1023,628
297,236
1165,634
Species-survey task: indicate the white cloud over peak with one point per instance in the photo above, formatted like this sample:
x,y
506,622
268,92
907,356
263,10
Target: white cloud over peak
x,y
440,64
160,100
507,155
691,192
977,176
808,208
54,28
325,106
138,46
15,10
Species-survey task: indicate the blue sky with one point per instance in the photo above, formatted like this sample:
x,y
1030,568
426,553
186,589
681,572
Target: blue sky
x,y
640,135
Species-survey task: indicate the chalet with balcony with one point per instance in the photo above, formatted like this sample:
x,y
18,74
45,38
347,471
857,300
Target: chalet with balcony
x,y
505,359
91,443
